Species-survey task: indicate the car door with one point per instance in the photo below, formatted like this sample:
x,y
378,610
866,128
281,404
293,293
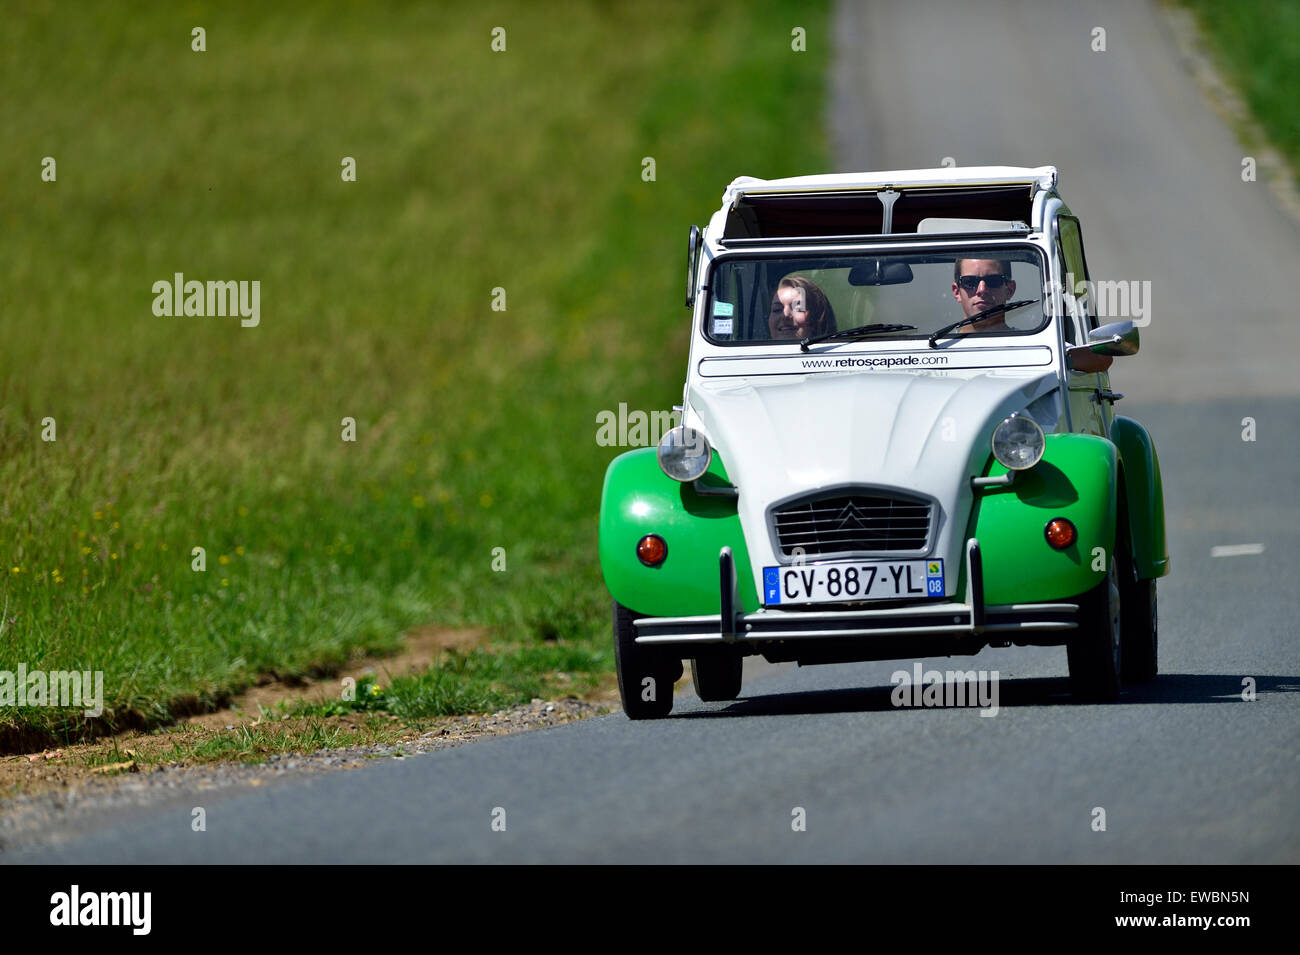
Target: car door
x,y
1090,409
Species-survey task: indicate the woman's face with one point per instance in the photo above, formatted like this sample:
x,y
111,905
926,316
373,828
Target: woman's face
x,y
789,317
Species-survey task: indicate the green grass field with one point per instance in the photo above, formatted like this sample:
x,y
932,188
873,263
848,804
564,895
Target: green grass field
x,y
1257,42
475,428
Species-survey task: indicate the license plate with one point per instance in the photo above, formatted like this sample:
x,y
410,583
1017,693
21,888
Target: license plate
x,y
839,581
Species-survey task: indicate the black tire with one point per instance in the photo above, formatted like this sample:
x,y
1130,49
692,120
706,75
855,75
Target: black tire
x,y
1139,634
716,674
1095,650
645,678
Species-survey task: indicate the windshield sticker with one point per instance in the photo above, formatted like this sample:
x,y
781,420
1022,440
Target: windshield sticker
x,y
722,326
754,365
723,308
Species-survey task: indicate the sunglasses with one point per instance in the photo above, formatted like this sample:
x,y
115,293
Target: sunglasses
x,y
970,283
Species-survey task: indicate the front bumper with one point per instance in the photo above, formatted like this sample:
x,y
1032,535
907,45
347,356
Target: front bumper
x,y
966,623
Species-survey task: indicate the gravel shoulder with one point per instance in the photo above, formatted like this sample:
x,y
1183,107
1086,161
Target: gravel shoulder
x,y
54,813
53,794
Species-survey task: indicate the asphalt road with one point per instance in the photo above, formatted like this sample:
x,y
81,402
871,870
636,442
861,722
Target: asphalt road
x,y
1184,768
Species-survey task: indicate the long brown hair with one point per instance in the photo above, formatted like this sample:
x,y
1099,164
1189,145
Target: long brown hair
x,y
821,317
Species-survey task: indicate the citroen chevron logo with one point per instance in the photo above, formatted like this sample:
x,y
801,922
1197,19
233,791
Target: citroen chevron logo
x,y
851,514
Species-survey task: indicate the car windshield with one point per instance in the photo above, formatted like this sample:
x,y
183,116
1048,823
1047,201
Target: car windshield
x,y
779,300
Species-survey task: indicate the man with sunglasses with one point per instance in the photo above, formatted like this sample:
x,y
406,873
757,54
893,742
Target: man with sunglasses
x,y
978,284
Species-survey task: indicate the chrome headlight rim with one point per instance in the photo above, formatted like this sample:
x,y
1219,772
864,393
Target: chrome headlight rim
x,y
1015,433
684,454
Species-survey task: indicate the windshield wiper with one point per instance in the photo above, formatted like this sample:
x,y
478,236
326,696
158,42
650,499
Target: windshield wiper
x,y
853,333
980,316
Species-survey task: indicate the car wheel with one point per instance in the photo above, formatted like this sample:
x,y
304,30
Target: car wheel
x,y
1095,650
645,677
716,675
1138,630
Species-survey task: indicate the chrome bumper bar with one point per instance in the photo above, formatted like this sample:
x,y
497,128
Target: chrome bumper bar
x,y
959,620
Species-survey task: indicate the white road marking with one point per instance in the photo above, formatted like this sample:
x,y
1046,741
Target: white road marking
x,y
1236,550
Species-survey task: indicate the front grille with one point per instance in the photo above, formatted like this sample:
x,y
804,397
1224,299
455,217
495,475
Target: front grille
x,y
852,523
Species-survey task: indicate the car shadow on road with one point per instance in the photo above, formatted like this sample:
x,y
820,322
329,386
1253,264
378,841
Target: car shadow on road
x,y
1209,688
1012,693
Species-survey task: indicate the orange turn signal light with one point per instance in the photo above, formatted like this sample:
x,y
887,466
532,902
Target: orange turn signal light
x,y
651,550
1060,533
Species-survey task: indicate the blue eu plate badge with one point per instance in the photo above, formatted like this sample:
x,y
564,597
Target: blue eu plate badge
x,y
772,585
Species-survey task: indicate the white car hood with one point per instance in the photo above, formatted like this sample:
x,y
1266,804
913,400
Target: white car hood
x,y
784,436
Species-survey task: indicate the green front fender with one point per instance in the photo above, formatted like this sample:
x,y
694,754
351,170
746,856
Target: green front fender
x,y
1076,479
639,499
1143,496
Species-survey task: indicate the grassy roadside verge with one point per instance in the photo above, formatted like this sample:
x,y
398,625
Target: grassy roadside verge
x,y
476,170
1257,44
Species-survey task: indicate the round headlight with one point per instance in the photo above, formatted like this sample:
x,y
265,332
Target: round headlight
x,y
1018,442
684,454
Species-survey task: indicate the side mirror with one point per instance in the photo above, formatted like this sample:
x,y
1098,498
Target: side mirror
x,y
1115,338
692,264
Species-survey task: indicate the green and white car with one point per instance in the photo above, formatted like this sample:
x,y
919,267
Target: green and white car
x,y
860,474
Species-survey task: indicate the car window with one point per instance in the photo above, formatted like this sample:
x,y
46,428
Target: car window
x,y
1068,324
773,300
1076,265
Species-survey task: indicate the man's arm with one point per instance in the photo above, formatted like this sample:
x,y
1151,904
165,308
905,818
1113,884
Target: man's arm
x,y
1087,361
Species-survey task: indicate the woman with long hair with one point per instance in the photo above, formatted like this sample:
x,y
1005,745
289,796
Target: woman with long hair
x,y
800,309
